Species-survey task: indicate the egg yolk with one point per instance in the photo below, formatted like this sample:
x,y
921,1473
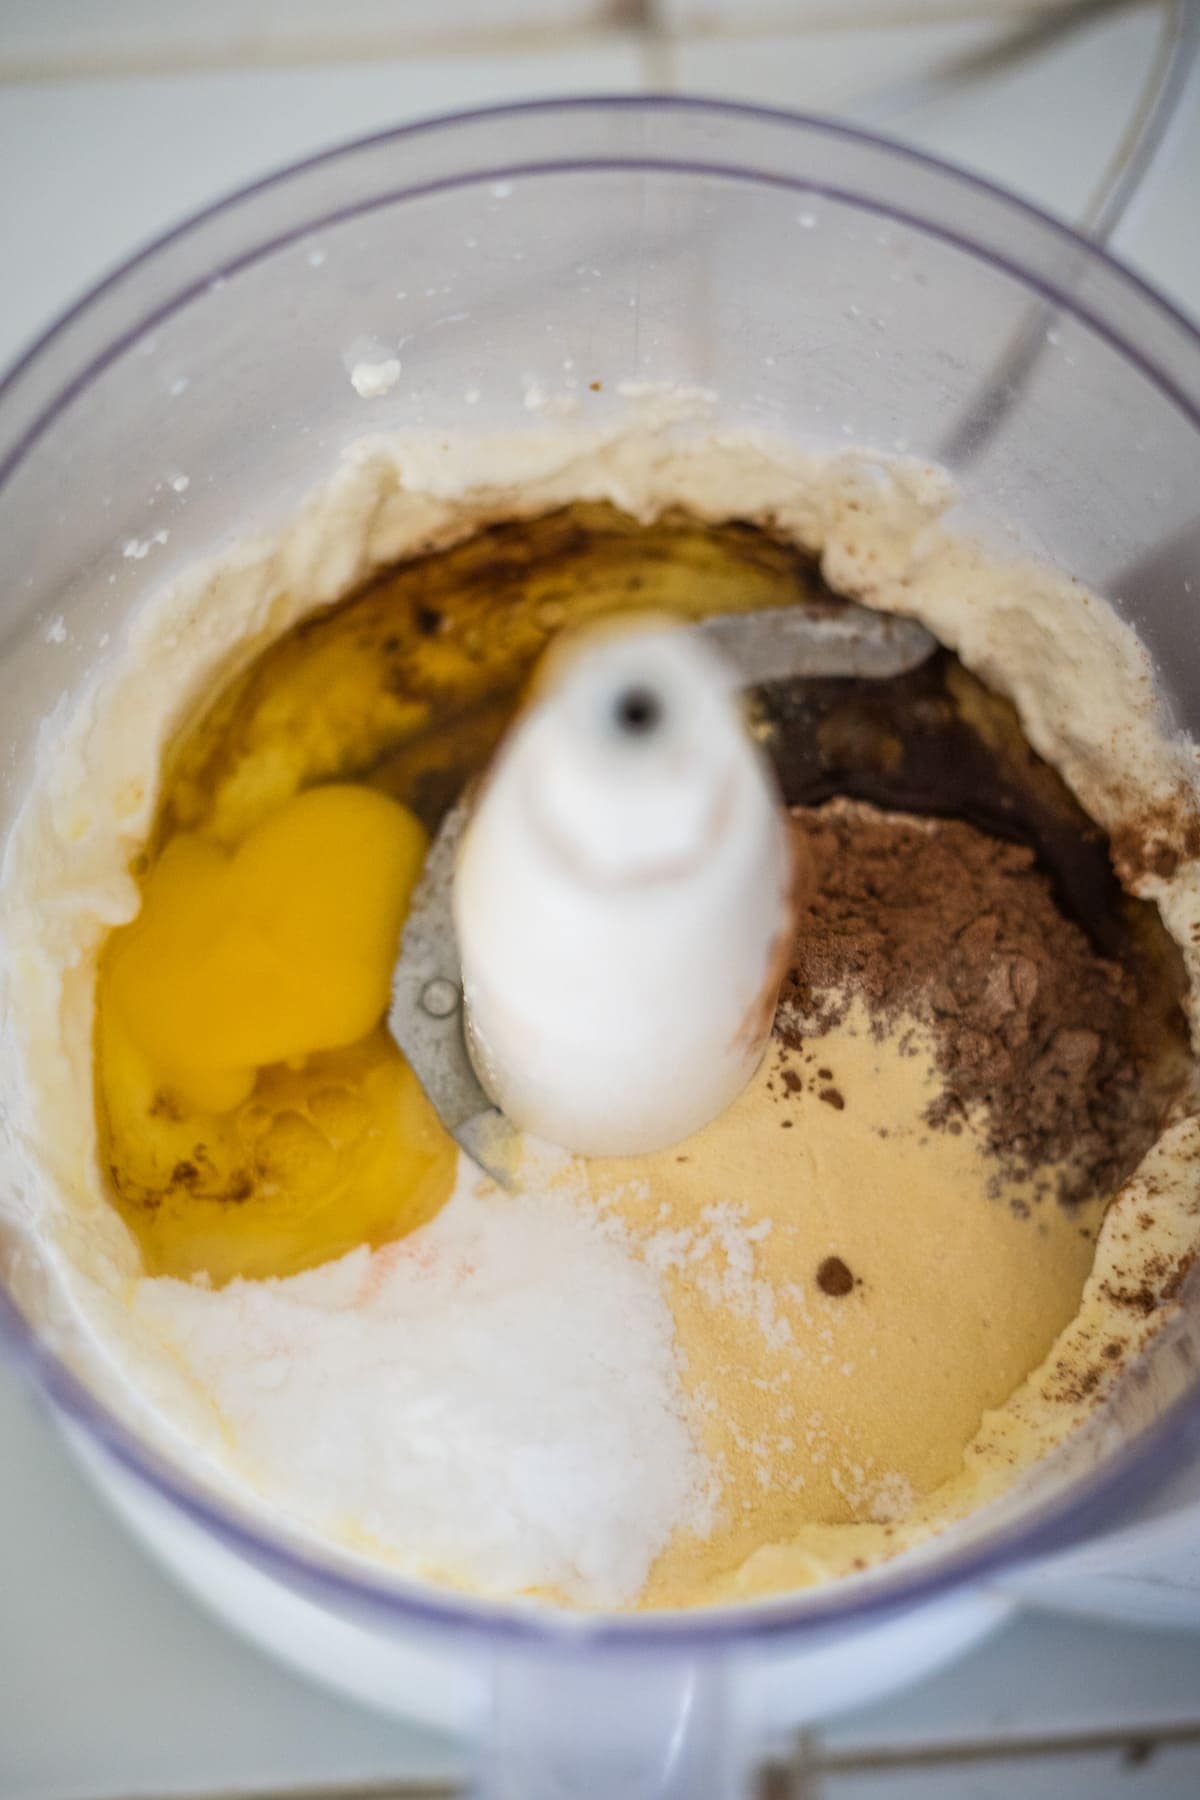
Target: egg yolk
x,y
267,1121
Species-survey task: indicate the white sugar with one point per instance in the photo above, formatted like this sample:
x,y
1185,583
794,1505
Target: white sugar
x,y
495,1399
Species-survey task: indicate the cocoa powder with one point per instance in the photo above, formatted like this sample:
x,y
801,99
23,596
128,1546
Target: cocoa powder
x,y
1064,1053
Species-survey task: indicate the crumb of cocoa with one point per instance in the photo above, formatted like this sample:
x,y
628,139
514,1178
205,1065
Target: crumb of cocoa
x,y
791,1081
1175,1280
1113,1350
1156,841
835,1278
1141,1299
833,1097
428,620
595,387
1047,1045
1078,1384
825,1074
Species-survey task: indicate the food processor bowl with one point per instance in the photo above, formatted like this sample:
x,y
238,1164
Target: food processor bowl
x,y
814,281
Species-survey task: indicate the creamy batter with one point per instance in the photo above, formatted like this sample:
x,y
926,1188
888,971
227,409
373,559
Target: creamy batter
x,y
584,1392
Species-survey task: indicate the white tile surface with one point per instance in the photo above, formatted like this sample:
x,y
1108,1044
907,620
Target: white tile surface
x,y
1047,130
1038,1678
1160,235
93,169
1166,1773
744,16
46,37
111,1684
823,70
1048,127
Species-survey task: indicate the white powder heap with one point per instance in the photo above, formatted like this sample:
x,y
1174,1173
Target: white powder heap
x,y
494,1400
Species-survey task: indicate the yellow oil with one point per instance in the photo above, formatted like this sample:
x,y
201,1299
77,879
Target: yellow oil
x,y
255,1117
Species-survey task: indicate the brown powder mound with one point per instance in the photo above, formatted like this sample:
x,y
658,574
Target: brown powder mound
x,y
941,922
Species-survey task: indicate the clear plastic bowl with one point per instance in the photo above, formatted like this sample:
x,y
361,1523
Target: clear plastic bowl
x,y
820,282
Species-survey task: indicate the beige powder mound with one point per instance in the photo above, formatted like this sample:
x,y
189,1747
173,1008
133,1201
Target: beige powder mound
x,y
826,1407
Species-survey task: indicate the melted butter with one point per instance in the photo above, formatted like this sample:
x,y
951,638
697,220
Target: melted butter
x,y
256,1118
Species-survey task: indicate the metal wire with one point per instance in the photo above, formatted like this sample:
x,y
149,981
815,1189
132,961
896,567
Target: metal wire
x,y
1122,179
1143,138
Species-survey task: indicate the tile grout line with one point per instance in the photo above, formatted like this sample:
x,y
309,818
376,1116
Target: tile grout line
x,y
861,15
640,25
1134,1741
657,48
304,53
799,1778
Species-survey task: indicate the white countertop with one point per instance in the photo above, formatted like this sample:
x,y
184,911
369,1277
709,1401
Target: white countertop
x,y
111,1683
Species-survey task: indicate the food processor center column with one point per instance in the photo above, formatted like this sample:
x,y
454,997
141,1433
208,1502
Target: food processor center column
x,y
624,898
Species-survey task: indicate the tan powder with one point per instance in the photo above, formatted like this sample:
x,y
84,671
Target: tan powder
x,y
819,1408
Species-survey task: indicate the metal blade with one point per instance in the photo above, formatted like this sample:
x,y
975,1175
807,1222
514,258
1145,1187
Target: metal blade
x,y
838,641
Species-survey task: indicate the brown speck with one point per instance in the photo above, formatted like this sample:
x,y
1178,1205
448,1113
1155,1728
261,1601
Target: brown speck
x,y
1141,1299
428,620
1178,1275
1113,1350
825,1074
833,1097
595,386
834,1278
